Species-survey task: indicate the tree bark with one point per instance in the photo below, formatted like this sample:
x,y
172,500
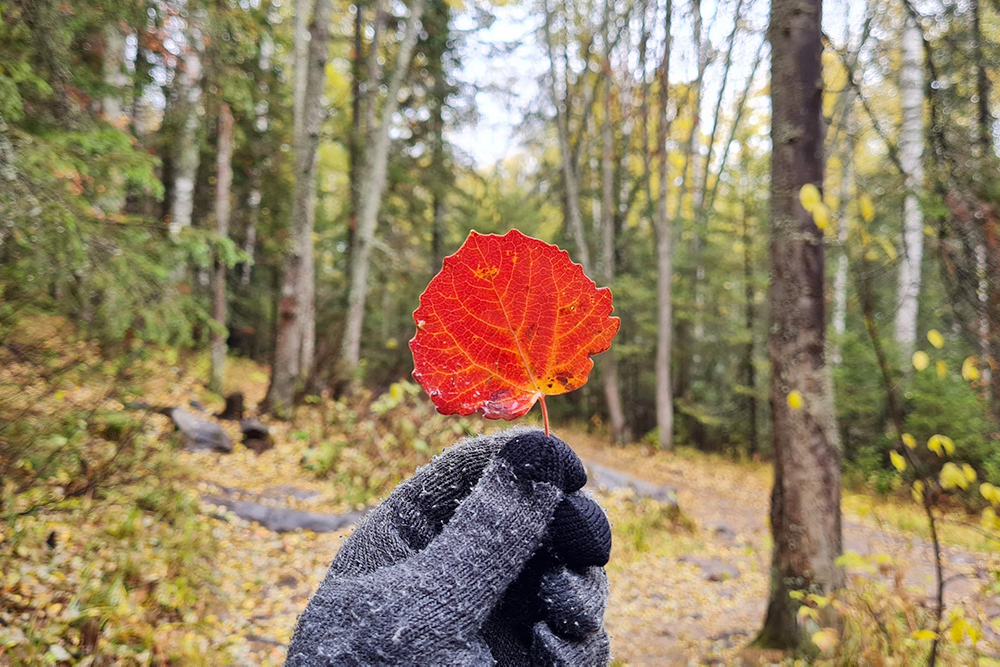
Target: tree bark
x,y
574,220
293,309
609,367
188,156
805,503
223,183
840,278
372,188
749,367
307,324
911,149
664,256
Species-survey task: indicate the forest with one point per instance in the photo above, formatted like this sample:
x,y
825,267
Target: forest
x,y
217,218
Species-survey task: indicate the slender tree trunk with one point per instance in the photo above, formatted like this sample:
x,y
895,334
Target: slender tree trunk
x,y
357,136
188,156
372,188
113,66
293,308
574,219
840,278
253,217
609,367
805,503
911,149
749,367
223,183
307,319
664,255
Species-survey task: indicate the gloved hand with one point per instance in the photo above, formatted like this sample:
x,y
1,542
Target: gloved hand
x,y
488,555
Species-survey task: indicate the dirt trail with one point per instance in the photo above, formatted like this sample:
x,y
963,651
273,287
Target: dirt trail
x,y
699,597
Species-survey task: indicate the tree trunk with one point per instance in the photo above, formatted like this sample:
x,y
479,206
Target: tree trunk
x,y
664,256
609,367
840,278
805,503
749,367
307,319
293,308
574,220
188,155
224,182
372,188
911,149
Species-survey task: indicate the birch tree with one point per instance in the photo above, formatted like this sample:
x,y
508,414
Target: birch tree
x,y
223,184
911,148
373,181
805,502
187,156
293,307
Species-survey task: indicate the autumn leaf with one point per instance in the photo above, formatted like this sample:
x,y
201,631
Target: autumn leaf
x,y
509,320
795,399
941,444
935,338
970,369
898,462
810,197
867,208
920,360
825,639
924,634
909,440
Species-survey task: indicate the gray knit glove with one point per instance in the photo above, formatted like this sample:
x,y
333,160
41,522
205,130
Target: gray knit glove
x,y
488,555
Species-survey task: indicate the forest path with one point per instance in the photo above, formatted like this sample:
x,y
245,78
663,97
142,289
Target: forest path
x,y
699,597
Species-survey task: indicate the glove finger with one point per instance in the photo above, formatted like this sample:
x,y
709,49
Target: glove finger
x,y
549,649
580,535
574,602
535,457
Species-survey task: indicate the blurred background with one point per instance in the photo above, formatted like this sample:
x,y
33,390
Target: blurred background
x,y
217,217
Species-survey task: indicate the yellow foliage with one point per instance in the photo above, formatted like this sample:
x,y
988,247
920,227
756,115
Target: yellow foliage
x,y
821,216
942,368
941,445
924,634
867,208
825,639
921,360
969,472
951,477
917,491
909,440
810,197
935,338
795,399
898,462
970,369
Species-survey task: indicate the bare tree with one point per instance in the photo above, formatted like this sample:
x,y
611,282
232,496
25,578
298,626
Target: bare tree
x,y
223,183
664,255
805,503
293,307
911,149
372,187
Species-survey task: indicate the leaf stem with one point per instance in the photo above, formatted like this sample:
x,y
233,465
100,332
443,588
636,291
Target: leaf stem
x,y
545,415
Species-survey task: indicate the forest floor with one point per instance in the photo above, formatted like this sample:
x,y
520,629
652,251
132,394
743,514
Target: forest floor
x,y
688,590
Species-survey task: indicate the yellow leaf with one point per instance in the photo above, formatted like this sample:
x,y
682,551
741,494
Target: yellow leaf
x,y
942,368
969,472
808,611
970,369
918,491
989,492
951,476
819,600
941,444
867,208
825,639
920,360
924,634
988,518
957,631
935,338
898,462
809,197
796,595
795,399
909,440
821,216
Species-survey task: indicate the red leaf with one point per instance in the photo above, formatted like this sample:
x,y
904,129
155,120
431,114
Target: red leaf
x,y
508,320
